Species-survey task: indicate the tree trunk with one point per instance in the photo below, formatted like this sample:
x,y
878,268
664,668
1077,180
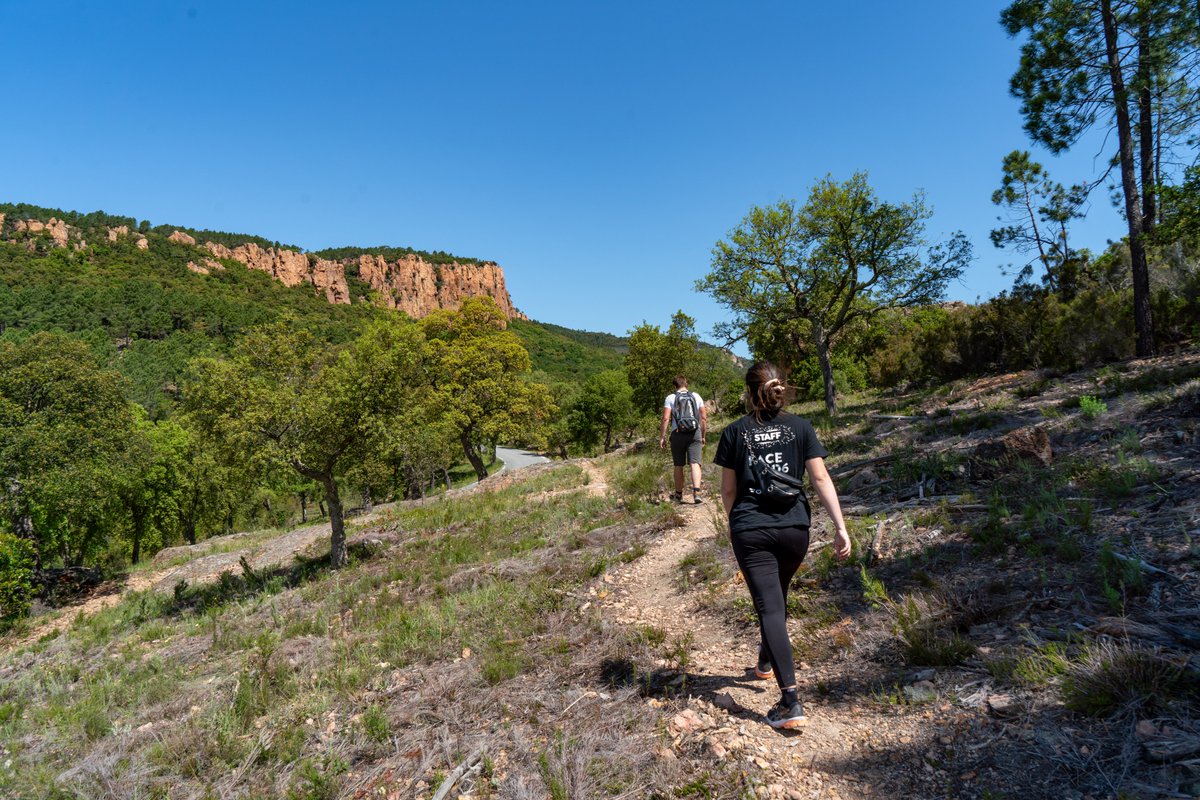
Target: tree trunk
x,y
22,523
337,527
826,373
413,487
139,529
473,456
446,478
189,518
1133,213
321,505
368,504
608,438
1146,124
303,507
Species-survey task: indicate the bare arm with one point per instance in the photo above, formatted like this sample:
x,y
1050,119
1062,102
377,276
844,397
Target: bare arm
x,y
662,432
728,488
823,486
703,423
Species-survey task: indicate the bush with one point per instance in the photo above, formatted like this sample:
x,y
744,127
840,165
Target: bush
x,y
1111,677
928,639
1092,407
16,577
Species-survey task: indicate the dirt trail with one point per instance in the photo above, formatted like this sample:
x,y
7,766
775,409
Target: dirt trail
x,y
729,702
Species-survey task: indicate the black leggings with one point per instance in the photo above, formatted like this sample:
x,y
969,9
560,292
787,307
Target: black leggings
x,y
769,558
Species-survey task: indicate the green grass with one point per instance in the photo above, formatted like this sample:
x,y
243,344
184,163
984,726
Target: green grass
x,y
261,661
1109,678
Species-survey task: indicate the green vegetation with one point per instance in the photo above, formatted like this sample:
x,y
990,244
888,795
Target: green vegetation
x,y
566,355
1111,677
799,277
1092,407
298,681
393,254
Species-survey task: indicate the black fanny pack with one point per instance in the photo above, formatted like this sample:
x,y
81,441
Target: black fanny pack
x,y
773,488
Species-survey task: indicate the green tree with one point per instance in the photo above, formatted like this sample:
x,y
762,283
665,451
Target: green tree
x,y
310,407
478,376
1126,64
151,484
803,274
212,477
16,576
655,357
602,408
65,426
1038,212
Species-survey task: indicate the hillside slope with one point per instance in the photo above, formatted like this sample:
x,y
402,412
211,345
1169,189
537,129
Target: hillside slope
x,y
149,299
1018,620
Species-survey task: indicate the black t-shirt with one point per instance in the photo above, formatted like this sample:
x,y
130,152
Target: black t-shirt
x,y
785,442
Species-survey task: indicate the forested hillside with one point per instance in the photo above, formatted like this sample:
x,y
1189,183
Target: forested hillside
x,y
152,394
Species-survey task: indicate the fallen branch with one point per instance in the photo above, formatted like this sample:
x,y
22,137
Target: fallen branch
x,y
905,417
873,553
857,465
952,500
1165,752
454,777
1144,565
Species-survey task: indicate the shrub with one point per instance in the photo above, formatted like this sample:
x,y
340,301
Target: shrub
x,y
928,641
640,478
873,589
16,577
1092,407
1110,677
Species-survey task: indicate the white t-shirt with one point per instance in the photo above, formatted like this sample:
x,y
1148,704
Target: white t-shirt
x,y
670,403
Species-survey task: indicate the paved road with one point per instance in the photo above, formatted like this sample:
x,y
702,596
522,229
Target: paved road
x,y
515,459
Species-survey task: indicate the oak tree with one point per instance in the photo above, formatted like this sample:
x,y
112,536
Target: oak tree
x,y
803,274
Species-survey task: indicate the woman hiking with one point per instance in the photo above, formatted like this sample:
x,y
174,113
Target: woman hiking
x,y
768,529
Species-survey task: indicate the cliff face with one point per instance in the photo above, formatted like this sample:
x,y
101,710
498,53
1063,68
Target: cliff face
x,y
417,287
408,283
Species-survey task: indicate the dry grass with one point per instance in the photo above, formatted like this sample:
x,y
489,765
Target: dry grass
x,y
463,635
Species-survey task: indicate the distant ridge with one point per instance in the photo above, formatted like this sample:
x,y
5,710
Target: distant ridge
x,y
413,281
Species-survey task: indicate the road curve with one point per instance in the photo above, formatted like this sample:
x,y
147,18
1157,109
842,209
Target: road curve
x,y
516,459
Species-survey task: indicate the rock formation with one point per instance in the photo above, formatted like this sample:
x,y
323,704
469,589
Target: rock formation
x,y
207,267
410,284
57,229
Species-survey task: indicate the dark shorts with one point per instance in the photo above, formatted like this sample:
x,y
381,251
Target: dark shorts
x,y
685,448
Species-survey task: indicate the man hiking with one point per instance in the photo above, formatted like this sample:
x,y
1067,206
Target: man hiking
x,y
685,414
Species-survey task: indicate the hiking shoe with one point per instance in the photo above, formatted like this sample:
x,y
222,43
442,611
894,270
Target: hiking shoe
x,y
696,497
764,672
677,497
786,717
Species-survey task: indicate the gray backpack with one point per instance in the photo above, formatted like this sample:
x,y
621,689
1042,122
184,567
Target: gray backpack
x,y
684,414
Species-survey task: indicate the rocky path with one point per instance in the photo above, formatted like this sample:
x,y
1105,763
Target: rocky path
x,y
725,701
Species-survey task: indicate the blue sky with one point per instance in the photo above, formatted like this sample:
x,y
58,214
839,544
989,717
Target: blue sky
x,y
596,150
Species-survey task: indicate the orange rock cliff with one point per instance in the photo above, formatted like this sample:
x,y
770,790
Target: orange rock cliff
x,y
408,283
